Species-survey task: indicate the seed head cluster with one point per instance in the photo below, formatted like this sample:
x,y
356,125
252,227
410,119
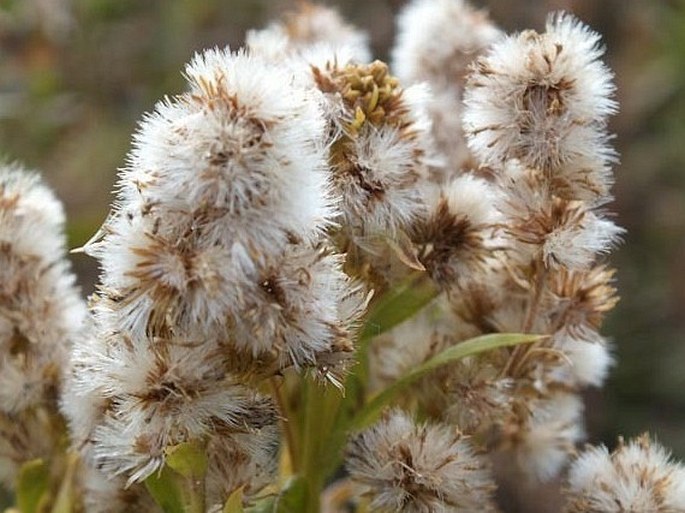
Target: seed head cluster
x,y
514,235
215,277
41,317
290,189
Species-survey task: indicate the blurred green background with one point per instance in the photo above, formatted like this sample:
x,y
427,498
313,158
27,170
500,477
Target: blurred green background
x,y
76,75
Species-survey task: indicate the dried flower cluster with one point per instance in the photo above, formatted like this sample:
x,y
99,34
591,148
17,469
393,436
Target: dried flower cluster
x,y
41,316
517,241
215,276
260,212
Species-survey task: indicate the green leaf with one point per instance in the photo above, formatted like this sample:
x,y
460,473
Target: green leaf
x,y
265,505
293,498
373,408
32,485
164,488
234,504
188,459
392,308
399,304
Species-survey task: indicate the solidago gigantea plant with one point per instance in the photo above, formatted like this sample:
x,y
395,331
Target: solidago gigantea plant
x,y
329,284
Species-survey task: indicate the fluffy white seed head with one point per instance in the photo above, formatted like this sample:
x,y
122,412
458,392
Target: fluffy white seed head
x,y
128,400
309,27
436,42
169,276
236,153
541,98
438,39
476,395
586,360
582,298
425,468
132,442
379,146
546,439
561,231
578,237
456,236
588,177
302,310
41,312
220,180
637,476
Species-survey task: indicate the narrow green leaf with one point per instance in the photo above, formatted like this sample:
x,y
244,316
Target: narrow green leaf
x,y
32,484
293,498
392,308
234,504
399,304
373,408
188,459
164,489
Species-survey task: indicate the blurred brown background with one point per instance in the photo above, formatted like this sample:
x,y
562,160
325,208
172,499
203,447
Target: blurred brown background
x,y
76,75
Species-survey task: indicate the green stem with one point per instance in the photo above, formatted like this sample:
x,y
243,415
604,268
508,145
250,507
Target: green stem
x,y
65,501
322,407
310,445
288,422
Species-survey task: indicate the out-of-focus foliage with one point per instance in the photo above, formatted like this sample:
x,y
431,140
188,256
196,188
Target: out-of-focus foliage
x,y
75,75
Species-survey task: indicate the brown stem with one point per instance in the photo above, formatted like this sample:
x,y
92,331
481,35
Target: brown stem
x,y
518,355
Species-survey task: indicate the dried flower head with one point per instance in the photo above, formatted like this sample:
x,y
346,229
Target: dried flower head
x,y
546,434
242,145
40,308
586,361
429,468
471,394
582,298
436,42
300,308
438,39
212,271
456,237
541,98
221,181
562,231
378,145
155,396
309,28
637,476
